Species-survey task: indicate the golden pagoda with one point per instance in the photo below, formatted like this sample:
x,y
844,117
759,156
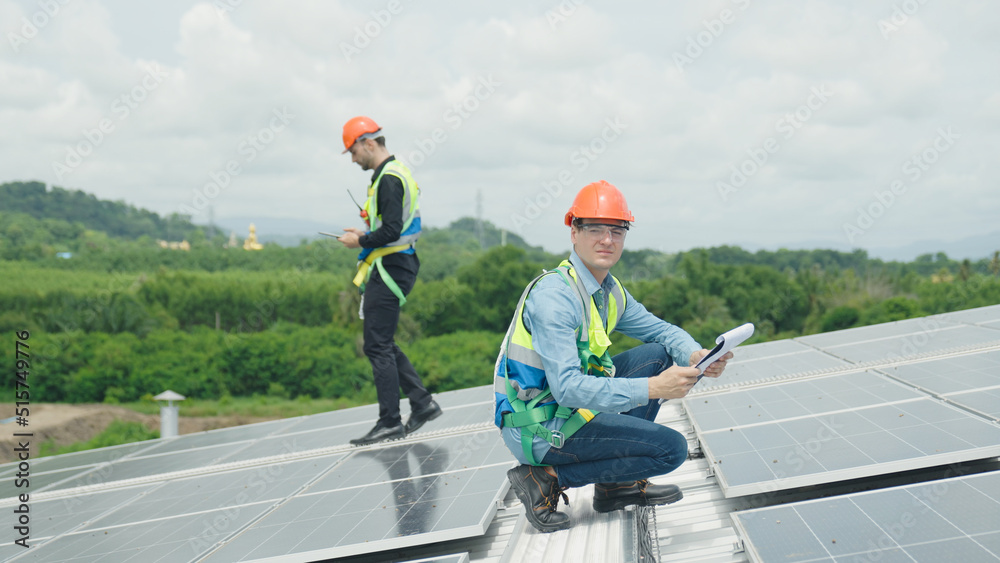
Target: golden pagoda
x,y
251,242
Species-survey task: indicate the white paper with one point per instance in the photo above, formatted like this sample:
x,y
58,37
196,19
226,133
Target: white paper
x,y
724,343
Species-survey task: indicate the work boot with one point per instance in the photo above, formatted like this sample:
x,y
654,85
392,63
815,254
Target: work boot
x,y
418,418
380,434
539,492
615,496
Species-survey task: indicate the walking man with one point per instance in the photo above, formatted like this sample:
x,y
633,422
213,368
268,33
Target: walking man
x,y
387,270
569,412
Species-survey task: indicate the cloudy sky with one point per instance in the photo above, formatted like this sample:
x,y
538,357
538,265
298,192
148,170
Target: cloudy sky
x,y
789,123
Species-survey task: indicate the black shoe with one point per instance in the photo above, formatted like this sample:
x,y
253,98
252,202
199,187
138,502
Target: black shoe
x,y
539,492
418,418
615,496
380,434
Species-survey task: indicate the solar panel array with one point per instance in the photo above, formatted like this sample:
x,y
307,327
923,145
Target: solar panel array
x,y
955,519
291,489
772,425
807,411
881,399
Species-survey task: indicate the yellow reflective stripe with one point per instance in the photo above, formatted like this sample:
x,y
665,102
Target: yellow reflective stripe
x,y
521,337
411,205
616,305
364,266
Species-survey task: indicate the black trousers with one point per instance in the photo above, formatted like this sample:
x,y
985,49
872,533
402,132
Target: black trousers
x,y
391,368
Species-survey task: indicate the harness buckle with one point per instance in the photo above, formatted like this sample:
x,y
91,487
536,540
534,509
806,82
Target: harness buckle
x,y
557,439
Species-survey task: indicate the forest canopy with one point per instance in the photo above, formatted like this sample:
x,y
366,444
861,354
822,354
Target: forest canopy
x,y
122,317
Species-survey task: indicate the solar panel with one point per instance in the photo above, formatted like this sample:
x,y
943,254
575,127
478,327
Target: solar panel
x,y
829,428
454,558
10,551
873,332
375,517
432,456
220,436
293,439
795,399
769,349
892,348
385,497
971,381
950,375
41,481
91,457
367,413
955,519
53,517
874,440
181,539
230,489
147,466
740,371
985,401
979,315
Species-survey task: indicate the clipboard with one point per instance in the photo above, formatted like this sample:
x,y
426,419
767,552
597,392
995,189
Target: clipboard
x,y
723,344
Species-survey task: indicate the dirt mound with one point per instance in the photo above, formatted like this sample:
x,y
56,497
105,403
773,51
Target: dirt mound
x,y
69,424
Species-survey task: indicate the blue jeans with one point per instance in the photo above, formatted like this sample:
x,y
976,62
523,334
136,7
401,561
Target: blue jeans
x,y
622,447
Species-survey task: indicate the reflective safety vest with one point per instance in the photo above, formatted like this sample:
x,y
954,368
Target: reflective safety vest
x,y
523,397
407,238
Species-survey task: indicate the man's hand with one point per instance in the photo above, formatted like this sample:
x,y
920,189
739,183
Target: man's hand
x,y
715,368
350,237
672,383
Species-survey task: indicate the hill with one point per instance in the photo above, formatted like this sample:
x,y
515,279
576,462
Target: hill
x,y
116,218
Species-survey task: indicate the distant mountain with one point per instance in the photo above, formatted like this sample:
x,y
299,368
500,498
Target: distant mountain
x,y
974,248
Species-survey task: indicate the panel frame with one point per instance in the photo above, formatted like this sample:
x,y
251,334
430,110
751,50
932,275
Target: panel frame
x,y
754,551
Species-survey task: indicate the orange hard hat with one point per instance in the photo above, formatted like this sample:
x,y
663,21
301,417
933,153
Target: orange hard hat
x,y
599,200
358,127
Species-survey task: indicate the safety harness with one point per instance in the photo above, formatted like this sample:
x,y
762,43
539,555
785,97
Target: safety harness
x,y
592,347
369,257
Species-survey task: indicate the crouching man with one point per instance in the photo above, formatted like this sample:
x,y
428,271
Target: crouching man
x,y
569,412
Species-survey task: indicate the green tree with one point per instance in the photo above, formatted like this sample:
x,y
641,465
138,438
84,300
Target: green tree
x,y
496,281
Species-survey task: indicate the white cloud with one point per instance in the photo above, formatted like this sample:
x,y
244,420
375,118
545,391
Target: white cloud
x,y
505,99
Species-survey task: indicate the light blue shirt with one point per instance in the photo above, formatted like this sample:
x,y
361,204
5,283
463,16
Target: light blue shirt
x,y
552,314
